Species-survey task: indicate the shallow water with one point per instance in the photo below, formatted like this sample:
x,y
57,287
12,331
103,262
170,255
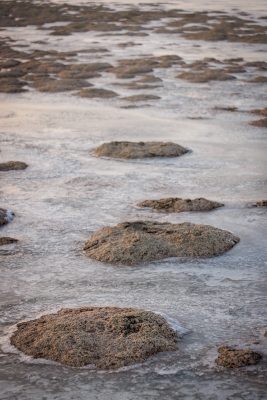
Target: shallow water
x,y
67,193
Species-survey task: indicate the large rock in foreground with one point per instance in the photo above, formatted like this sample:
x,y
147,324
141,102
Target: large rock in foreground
x,y
132,150
142,241
104,336
5,216
230,357
175,204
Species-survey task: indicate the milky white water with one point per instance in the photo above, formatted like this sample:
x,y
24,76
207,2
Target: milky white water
x,y
67,193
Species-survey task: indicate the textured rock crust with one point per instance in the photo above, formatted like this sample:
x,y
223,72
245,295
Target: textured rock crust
x,y
104,336
132,150
97,93
7,240
206,76
260,123
142,241
174,204
261,203
12,166
234,358
5,216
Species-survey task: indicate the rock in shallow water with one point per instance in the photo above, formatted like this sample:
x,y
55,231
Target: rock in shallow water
x,y
175,204
13,166
7,240
108,337
234,358
142,241
6,216
131,150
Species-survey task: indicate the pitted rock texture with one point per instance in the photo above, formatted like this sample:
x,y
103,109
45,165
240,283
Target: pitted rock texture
x,y
143,241
230,357
261,203
7,240
131,150
6,216
107,337
175,204
13,166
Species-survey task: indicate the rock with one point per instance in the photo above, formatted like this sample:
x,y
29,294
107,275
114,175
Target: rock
x,y
260,111
7,240
99,93
260,123
131,150
258,79
6,216
141,97
261,203
11,85
205,76
106,337
59,85
174,204
230,357
12,166
142,241
230,109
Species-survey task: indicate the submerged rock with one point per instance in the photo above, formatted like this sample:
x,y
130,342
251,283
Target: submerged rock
x,y
97,93
142,241
131,150
141,97
107,337
261,203
6,216
59,85
13,166
205,76
260,123
260,111
230,357
11,85
175,204
7,240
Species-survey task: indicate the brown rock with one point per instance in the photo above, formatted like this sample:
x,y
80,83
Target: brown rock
x,y
7,240
131,150
261,203
175,204
13,166
142,241
141,97
59,85
260,111
11,85
107,337
97,93
260,123
5,216
234,358
205,76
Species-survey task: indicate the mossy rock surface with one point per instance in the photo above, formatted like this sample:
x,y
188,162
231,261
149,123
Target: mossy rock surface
x,y
13,166
175,204
7,240
143,241
6,216
132,150
107,337
230,357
